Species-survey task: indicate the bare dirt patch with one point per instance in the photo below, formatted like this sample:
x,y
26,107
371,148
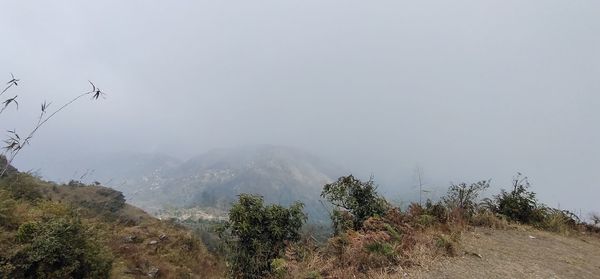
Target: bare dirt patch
x,y
518,253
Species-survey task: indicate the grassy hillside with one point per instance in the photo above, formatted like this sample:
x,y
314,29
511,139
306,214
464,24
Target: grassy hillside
x,y
88,231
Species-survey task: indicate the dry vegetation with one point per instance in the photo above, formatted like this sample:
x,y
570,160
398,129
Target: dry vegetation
x,y
400,246
134,243
385,245
448,238
452,238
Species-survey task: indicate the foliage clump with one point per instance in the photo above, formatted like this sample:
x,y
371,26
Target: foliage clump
x,y
464,197
55,245
355,200
256,234
519,204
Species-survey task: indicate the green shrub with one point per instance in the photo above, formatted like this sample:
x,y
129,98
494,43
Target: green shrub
x,y
381,248
278,268
437,210
392,232
256,234
359,199
426,220
341,221
464,197
519,204
57,248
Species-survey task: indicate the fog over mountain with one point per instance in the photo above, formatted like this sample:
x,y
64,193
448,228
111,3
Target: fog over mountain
x,y
212,180
465,90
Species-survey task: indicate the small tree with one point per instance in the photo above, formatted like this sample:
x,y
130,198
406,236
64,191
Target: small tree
x,y
256,234
355,200
464,197
519,204
56,247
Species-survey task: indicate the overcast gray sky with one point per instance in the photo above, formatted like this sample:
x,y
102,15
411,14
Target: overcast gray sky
x,y
466,89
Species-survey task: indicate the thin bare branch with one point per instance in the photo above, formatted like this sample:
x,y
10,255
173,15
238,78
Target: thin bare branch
x,y
14,143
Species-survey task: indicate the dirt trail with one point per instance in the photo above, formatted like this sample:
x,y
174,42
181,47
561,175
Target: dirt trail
x,y
519,254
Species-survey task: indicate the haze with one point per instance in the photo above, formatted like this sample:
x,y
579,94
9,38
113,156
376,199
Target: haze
x,y
466,90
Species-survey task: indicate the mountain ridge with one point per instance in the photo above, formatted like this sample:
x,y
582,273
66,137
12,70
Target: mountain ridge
x,y
213,179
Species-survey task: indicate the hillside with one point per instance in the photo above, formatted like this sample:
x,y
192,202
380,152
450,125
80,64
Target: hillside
x,y
211,181
279,174
47,227
132,243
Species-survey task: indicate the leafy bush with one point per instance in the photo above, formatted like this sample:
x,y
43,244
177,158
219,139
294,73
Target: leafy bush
x,y
257,234
519,204
56,248
278,267
341,221
359,199
437,210
381,248
464,197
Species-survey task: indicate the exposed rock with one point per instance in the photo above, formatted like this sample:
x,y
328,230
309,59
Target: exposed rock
x,y
153,242
153,272
474,254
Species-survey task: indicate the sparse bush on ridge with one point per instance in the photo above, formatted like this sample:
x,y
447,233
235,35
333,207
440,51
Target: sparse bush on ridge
x,y
355,202
392,240
519,204
465,197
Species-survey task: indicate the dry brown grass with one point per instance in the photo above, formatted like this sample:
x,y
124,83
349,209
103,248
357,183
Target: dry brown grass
x,y
490,220
386,246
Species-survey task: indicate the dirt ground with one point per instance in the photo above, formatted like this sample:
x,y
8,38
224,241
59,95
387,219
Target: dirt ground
x,y
518,253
